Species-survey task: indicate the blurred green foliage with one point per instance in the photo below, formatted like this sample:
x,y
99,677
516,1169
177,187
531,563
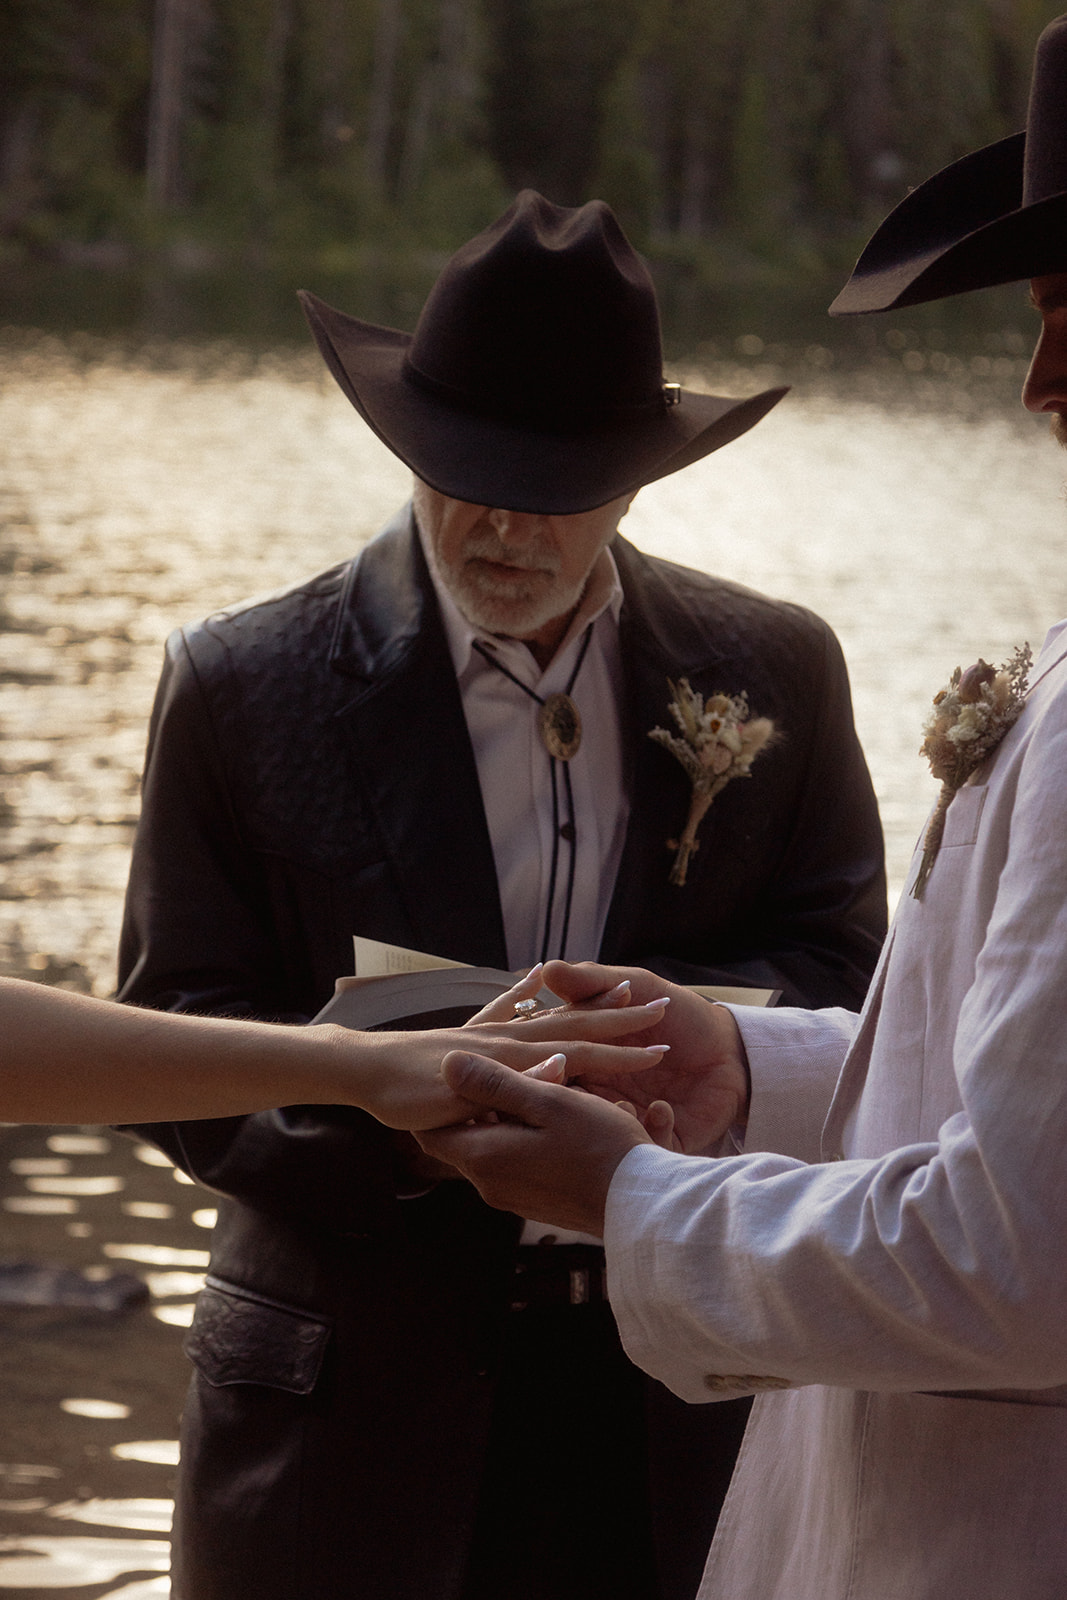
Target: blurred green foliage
x,y
725,132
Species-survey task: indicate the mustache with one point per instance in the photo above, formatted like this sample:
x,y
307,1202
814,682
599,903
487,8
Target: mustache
x,y
484,545
1059,428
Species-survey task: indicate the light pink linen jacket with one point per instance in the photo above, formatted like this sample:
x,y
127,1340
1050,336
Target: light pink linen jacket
x,y
894,1281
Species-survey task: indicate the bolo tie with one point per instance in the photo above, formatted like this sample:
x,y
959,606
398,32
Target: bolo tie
x,y
560,728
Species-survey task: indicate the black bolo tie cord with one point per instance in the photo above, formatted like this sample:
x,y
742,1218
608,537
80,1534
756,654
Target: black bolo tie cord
x,y
572,835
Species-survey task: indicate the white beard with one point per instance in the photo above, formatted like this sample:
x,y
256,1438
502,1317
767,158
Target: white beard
x,y
517,605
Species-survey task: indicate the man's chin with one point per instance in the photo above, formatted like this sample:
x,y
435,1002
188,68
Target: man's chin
x,y
511,620
515,615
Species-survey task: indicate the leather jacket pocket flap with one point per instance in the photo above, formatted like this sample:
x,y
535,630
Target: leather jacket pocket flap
x,y
238,1338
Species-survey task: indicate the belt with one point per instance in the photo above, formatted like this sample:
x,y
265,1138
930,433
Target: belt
x,y
557,1275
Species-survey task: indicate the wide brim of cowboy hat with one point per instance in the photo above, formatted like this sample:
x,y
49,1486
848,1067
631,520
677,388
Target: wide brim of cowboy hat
x,y
965,228
509,465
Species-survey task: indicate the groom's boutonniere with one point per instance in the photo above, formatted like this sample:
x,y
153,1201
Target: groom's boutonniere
x,y
719,741
968,721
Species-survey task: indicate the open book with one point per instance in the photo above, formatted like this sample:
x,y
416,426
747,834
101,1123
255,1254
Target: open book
x,y
412,989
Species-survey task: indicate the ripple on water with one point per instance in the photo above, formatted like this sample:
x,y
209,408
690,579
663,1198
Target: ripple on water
x,y
95,1397
78,1144
49,1562
76,1186
157,1255
111,1409
156,1452
54,1562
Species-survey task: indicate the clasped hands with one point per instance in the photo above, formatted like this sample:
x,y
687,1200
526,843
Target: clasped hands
x,y
535,1147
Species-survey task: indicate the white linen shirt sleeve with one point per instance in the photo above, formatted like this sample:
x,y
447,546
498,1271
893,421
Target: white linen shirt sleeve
x,y
794,1057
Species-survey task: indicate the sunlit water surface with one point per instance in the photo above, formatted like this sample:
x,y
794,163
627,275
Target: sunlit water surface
x,y
913,505
921,513
90,1396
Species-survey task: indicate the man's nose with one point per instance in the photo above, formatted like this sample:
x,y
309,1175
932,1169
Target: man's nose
x,y
1045,388
516,527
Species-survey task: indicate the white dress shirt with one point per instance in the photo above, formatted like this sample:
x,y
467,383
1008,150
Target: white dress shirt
x,y
515,775
515,769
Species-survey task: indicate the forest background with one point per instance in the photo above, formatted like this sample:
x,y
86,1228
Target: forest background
x,y
737,139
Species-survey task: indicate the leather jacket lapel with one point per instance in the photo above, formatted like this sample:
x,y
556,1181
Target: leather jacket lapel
x,y
658,644
410,751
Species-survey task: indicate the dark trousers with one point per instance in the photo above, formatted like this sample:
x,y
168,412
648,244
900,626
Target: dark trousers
x,y
565,1508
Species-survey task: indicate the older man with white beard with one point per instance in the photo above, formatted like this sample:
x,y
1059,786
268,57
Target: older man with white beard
x,y
444,745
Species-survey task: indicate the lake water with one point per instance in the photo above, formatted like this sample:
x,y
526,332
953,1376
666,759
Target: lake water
x,y
909,500
911,503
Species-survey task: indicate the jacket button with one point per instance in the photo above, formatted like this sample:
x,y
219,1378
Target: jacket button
x,y
743,1382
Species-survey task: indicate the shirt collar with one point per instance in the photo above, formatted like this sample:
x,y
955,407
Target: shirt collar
x,y
603,594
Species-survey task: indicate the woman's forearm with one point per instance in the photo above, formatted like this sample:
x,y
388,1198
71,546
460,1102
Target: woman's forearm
x,y
69,1058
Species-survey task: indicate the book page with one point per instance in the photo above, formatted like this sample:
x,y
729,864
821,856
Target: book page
x,y
735,997
377,960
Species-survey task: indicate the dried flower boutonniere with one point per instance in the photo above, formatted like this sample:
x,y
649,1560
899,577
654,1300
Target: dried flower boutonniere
x,y
968,721
719,741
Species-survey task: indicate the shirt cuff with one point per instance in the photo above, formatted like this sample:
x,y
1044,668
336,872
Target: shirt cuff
x,y
794,1059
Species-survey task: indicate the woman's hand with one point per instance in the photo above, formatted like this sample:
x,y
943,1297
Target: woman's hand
x,y
703,1081
686,1101
503,1008
397,1076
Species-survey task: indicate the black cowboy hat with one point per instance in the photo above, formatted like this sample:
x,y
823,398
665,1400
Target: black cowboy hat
x,y
534,379
995,217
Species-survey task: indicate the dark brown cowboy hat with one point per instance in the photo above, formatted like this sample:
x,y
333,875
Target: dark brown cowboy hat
x,y
995,217
534,379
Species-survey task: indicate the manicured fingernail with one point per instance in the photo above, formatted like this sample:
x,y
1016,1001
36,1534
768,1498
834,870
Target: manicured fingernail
x,y
664,1000
620,988
655,1049
552,1068
537,967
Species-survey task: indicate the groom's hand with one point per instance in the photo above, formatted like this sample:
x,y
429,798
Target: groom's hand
x,y
551,1152
705,1077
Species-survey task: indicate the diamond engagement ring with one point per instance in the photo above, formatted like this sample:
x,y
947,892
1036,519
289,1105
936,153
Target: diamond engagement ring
x,y
525,1009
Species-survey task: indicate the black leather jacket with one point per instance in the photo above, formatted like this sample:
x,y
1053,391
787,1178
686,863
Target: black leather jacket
x,y
309,776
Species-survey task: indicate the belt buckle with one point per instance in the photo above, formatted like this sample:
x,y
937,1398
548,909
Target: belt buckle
x,y
579,1286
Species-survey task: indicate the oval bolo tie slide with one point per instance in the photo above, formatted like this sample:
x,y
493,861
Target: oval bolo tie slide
x,y
560,726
